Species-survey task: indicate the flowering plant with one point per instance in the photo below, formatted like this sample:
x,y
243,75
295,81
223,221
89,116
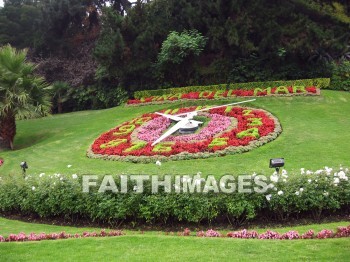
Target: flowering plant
x,y
228,94
229,130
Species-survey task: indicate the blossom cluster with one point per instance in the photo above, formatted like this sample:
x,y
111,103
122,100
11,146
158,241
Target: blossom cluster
x,y
220,94
230,130
290,235
154,129
1,162
21,237
327,176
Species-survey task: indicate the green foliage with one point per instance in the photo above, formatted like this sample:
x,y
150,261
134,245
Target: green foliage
x,y
341,76
58,195
179,47
22,94
19,25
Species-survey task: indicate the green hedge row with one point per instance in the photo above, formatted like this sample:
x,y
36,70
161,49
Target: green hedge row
x,y
299,195
318,82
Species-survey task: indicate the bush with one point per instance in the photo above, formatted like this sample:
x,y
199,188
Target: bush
x,y
341,76
310,194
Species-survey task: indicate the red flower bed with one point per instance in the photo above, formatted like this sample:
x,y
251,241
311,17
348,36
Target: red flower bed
x,y
249,128
220,94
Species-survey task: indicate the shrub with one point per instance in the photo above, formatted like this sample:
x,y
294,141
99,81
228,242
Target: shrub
x,y
303,195
341,76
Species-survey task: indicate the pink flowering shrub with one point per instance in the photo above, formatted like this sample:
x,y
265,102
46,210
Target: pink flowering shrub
x,y
343,232
212,233
291,235
325,233
200,234
245,234
308,235
2,239
186,232
270,235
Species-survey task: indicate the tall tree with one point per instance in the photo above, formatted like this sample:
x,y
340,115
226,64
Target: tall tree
x,y
22,93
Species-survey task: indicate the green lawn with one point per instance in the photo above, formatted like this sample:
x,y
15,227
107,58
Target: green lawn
x,y
155,246
315,134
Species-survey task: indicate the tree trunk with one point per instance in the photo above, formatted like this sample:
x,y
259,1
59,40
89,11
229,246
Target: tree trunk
x,y
7,130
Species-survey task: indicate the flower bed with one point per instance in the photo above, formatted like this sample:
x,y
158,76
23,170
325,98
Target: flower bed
x,y
22,237
222,94
230,130
242,234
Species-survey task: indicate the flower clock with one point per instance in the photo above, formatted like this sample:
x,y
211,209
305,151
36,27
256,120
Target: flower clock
x,y
223,130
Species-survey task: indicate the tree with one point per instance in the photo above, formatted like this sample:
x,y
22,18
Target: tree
x,y
178,55
22,93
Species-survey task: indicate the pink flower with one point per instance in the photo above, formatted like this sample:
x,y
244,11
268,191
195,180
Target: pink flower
x,y
212,233
308,235
324,234
270,235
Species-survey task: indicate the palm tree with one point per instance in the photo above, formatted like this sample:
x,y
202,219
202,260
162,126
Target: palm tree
x,y
22,94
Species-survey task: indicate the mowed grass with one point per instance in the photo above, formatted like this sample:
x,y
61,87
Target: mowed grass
x,y
156,246
315,134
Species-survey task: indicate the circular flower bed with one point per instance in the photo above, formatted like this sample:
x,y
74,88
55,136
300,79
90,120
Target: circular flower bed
x,y
229,130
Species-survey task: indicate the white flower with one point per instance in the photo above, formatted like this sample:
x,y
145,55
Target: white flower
x,y
74,176
309,180
284,173
318,171
268,197
33,188
275,188
297,193
342,175
135,188
280,193
325,193
254,174
336,180
158,163
301,189
328,169
302,171
284,180
199,173
42,174
69,166
61,178
274,178
198,182
308,172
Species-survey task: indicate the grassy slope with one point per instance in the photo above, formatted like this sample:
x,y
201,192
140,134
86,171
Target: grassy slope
x,y
315,133
154,247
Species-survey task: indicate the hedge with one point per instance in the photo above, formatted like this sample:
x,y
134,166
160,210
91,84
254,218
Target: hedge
x,y
300,195
318,82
